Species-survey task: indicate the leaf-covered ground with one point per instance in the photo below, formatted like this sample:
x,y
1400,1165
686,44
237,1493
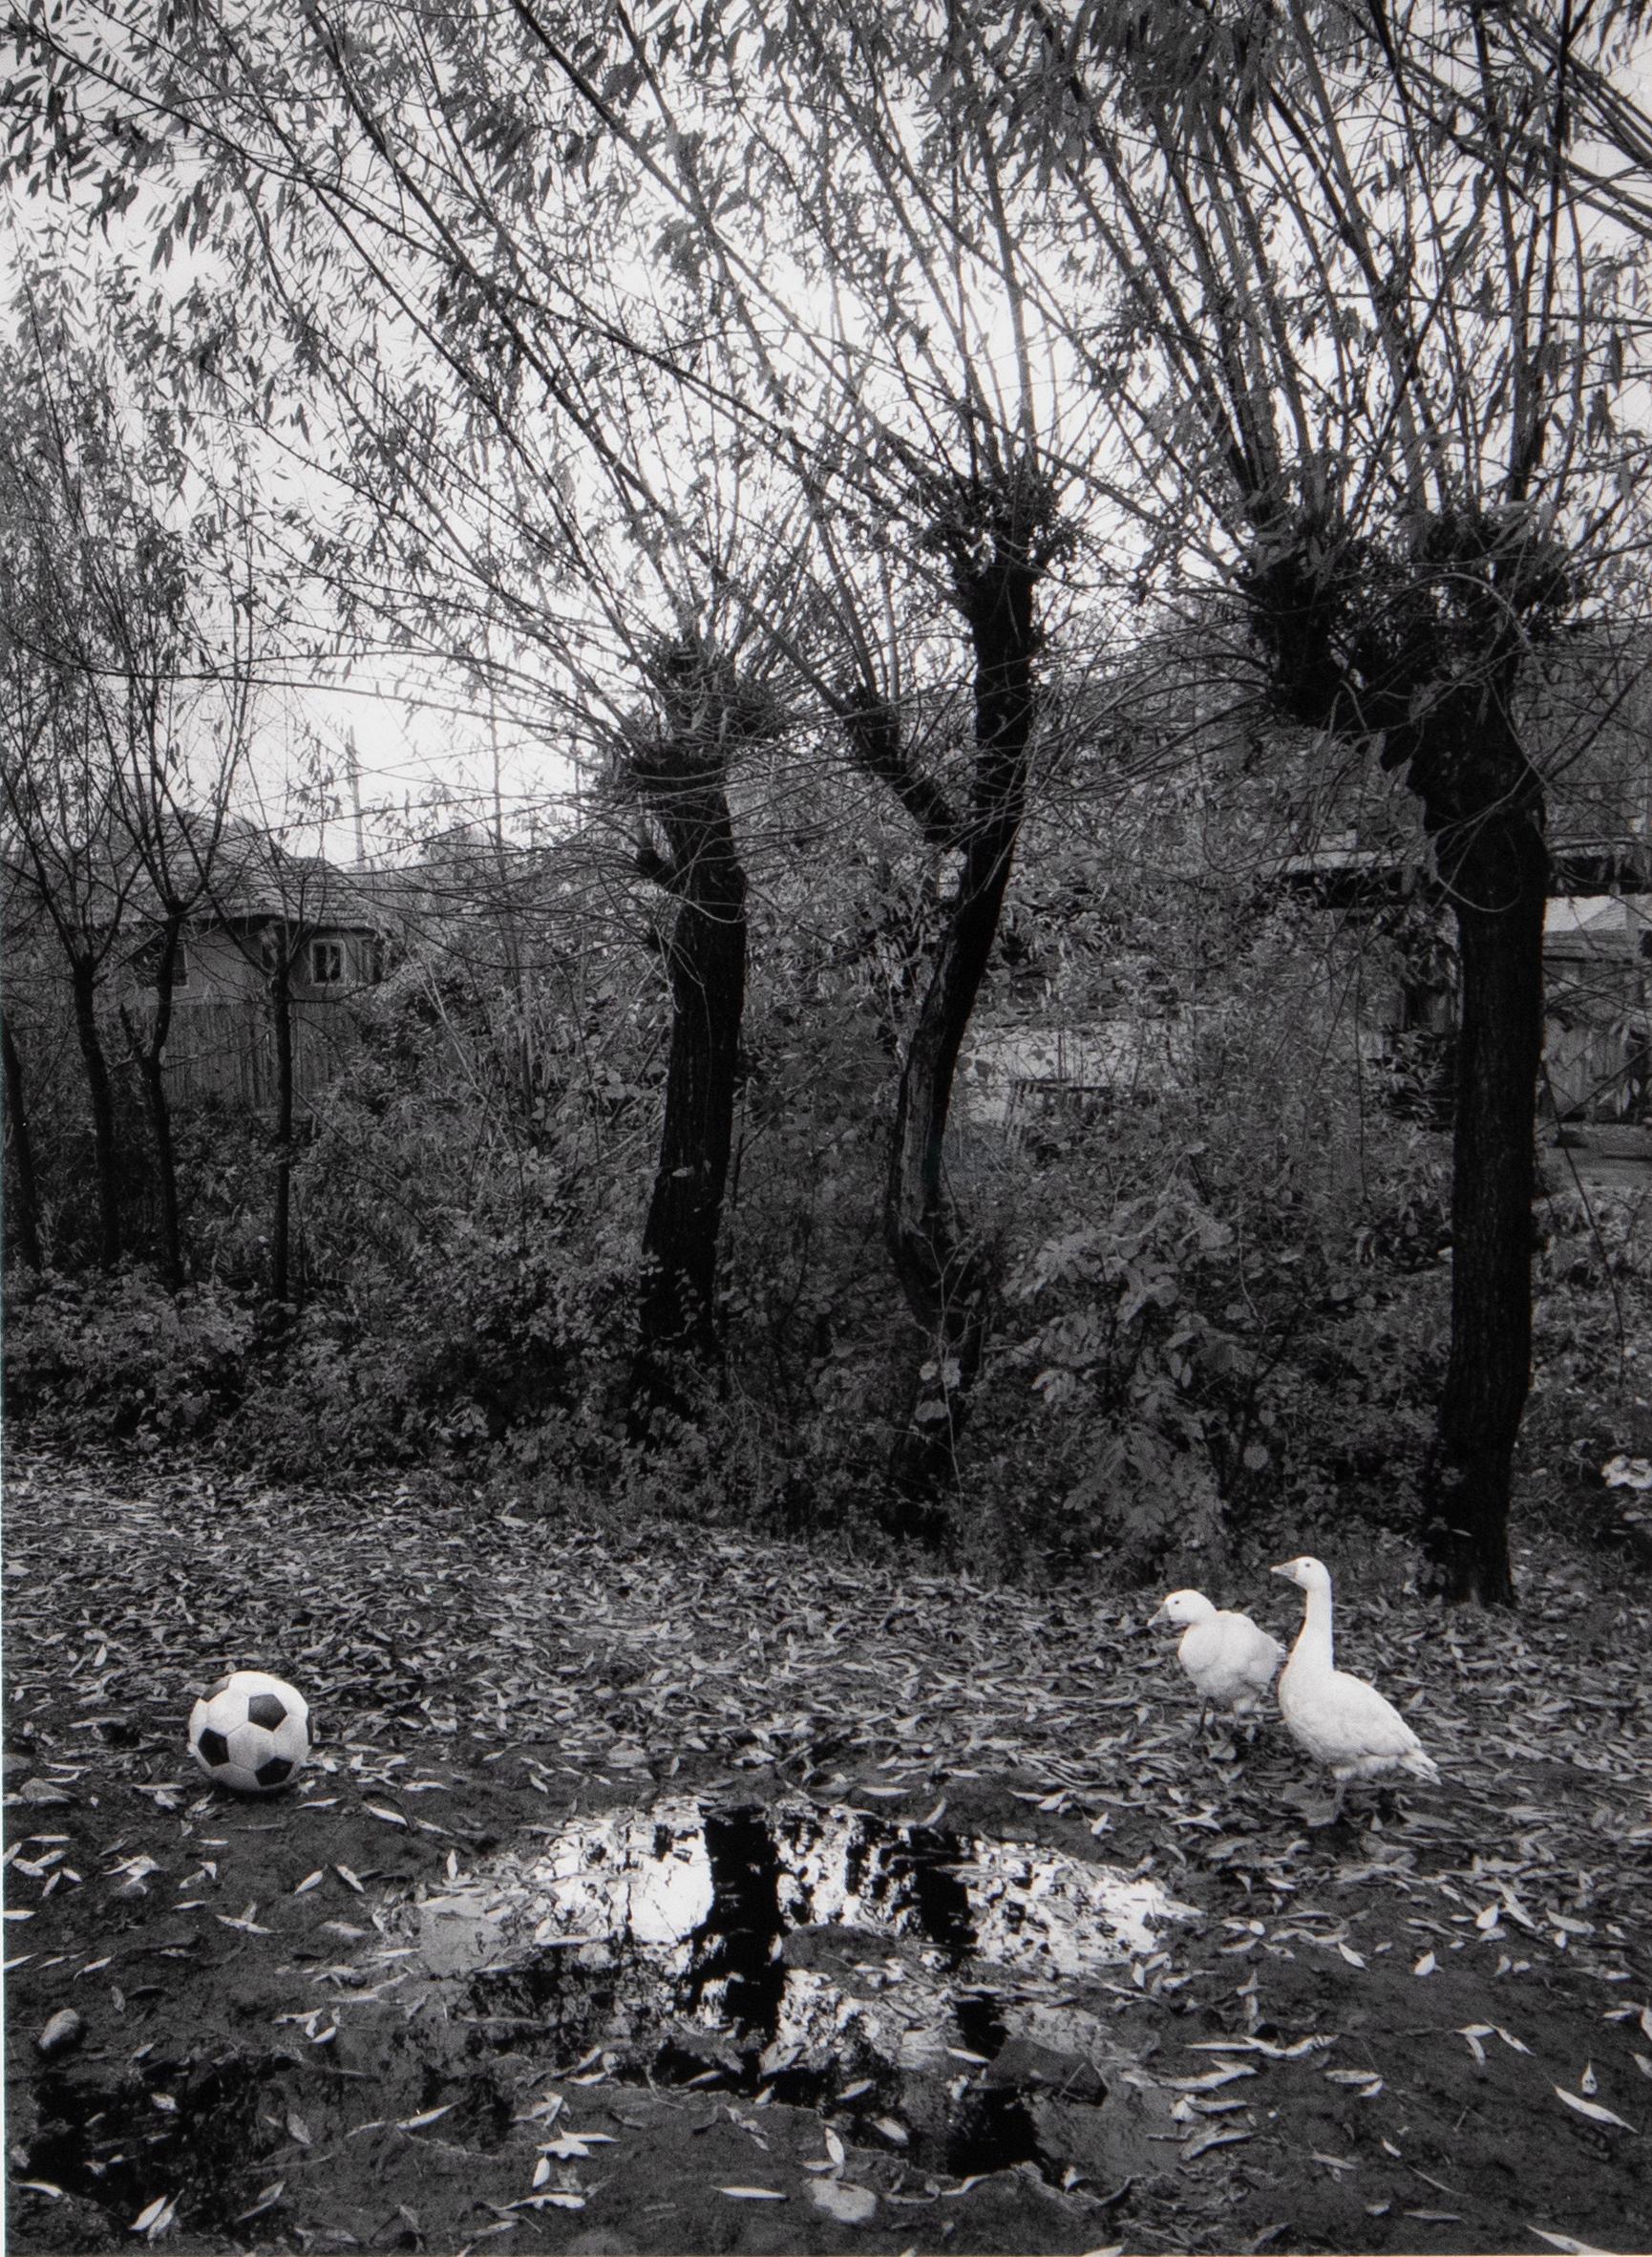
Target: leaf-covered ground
x,y
1426,2028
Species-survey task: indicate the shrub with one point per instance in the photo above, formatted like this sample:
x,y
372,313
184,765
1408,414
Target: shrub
x,y
1592,1351
119,1357
1245,1330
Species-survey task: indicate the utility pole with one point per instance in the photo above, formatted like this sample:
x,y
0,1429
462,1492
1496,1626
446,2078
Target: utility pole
x,y
352,763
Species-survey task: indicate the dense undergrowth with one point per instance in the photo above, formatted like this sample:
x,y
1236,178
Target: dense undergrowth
x,y
1222,1296
1161,1389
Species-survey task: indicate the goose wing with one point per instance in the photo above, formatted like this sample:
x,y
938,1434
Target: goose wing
x,y
1342,1719
1229,1657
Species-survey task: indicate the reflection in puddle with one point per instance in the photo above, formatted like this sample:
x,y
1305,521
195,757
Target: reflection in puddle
x,y
927,1982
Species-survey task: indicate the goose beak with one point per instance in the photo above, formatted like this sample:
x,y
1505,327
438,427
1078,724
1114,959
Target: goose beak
x,y
1288,1570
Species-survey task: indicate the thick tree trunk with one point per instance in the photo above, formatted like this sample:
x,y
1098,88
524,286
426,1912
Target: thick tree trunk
x,y
945,1270
100,1092
1433,681
678,1333
944,1267
1497,870
23,1211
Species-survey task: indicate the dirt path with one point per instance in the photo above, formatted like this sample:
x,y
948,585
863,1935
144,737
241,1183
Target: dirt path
x,y
673,1892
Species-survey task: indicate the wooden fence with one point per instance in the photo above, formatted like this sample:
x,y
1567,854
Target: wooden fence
x,y
226,1050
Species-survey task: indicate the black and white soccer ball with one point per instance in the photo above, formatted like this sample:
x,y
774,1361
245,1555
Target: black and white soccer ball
x,y
250,1733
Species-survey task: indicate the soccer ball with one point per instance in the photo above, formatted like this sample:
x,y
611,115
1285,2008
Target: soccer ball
x,y
251,1731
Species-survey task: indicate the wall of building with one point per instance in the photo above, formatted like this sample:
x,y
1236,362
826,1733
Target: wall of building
x,y
221,1041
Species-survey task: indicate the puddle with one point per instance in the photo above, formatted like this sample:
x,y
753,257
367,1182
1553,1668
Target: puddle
x,y
944,1994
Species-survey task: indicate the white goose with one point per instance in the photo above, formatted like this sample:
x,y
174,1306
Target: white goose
x,y
1231,1661
1340,1720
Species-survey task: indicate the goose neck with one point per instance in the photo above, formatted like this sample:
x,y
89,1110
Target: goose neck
x,y
1315,1641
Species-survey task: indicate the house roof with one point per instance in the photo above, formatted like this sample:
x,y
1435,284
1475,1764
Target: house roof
x,y
1595,924
243,875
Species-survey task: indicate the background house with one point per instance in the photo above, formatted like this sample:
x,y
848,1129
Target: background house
x,y
258,909
1598,963
1598,999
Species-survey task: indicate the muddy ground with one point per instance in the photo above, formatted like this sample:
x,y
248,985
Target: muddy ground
x,y
672,1891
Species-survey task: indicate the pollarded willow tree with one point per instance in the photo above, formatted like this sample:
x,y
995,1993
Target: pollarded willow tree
x,y
1381,350
677,763
879,280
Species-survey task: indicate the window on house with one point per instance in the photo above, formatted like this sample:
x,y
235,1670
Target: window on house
x,y
326,962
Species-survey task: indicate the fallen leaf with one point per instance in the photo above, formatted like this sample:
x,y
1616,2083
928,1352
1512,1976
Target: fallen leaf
x,y
750,2194
267,2201
1592,2109
1202,2142
575,2146
1261,2045
244,1922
